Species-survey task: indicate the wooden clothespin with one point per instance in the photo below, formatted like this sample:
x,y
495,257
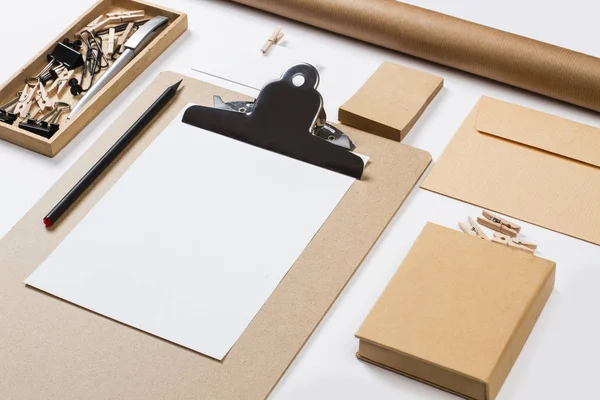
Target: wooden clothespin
x,y
110,48
104,44
26,100
514,243
474,230
275,38
124,36
126,16
113,18
60,83
498,224
94,25
42,99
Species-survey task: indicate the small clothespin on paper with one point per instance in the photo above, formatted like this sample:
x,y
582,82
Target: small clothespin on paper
x,y
498,224
275,38
514,243
474,230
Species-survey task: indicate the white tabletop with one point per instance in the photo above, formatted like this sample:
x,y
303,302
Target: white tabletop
x,y
559,360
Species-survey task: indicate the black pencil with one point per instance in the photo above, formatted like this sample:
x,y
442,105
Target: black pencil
x,y
109,156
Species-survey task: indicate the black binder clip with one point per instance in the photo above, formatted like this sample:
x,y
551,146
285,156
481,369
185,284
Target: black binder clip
x,y
283,120
46,126
6,116
66,55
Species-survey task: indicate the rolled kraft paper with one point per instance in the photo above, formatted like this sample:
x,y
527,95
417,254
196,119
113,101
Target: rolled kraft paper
x,y
515,60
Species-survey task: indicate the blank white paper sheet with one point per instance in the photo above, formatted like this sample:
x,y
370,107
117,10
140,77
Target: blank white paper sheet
x,y
193,238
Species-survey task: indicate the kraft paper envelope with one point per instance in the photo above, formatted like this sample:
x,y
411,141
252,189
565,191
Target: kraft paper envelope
x,y
525,164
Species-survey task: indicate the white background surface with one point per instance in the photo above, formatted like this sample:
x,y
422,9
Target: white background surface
x,y
559,360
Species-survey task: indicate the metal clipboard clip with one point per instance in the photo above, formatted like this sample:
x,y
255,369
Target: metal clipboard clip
x,y
283,120
321,129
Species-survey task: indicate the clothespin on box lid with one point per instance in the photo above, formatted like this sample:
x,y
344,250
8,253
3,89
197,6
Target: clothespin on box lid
x,y
499,224
275,38
474,230
514,243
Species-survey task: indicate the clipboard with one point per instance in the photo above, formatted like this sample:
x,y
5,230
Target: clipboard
x,y
89,356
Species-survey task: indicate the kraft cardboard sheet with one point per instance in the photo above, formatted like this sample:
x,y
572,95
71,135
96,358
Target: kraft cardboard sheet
x,y
54,349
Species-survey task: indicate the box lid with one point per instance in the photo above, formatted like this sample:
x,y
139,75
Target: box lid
x,y
457,312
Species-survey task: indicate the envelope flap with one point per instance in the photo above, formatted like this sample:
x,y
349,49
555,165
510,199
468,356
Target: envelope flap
x,y
539,130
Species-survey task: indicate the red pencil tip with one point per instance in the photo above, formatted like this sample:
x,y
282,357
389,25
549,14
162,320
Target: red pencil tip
x,y
47,222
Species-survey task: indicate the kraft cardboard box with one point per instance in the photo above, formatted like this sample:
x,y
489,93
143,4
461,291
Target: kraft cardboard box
x,y
391,101
457,313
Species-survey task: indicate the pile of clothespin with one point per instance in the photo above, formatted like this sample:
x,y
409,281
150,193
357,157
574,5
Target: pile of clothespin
x,y
102,40
506,232
114,29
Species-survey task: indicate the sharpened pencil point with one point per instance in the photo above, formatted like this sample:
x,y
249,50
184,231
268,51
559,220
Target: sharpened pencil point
x,y
176,86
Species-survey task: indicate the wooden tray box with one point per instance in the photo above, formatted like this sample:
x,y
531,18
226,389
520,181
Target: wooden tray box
x,y
50,147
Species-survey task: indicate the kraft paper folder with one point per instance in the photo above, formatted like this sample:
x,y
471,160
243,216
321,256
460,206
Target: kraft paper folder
x,y
519,61
526,164
84,355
